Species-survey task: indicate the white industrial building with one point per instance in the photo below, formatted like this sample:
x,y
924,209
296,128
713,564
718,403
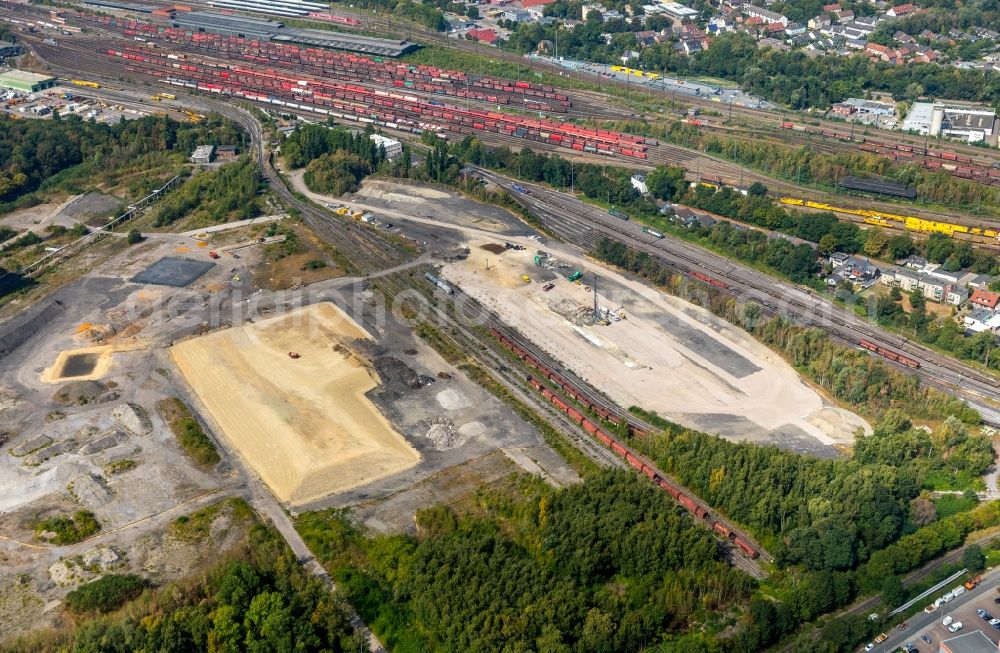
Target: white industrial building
x,y
393,148
972,124
672,9
203,154
290,8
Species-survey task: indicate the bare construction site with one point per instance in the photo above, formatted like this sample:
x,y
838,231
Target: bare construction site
x,y
656,352
289,394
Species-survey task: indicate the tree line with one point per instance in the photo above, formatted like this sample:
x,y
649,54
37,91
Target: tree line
x,y
337,160
33,153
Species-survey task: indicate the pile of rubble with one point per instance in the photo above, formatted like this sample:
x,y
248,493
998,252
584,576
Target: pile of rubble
x,y
440,432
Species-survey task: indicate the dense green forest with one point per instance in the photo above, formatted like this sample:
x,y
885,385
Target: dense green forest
x,y
336,160
230,192
827,515
257,598
605,565
37,155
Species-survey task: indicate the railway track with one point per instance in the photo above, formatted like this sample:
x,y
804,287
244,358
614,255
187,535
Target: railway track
x,y
582,224
356,238
491,359
702,164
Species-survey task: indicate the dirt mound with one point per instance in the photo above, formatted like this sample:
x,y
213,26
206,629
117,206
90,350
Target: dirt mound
x,y
305,425
79,393
396,375
494,248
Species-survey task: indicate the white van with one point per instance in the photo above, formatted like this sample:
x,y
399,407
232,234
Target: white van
x,y
947,621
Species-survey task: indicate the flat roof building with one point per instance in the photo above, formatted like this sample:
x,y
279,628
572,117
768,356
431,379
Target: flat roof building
x,y
203,154
21,80
677,10
919,118
393,148
239,26
969,123
289,8
343,41
974,642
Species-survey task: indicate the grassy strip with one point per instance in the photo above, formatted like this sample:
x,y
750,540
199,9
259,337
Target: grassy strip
x,y
188,432
196,526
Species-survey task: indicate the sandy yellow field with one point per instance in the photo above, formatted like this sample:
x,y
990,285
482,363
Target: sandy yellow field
x,y
305,425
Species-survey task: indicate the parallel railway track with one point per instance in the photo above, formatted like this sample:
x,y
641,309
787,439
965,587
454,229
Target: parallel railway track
x,y
583,225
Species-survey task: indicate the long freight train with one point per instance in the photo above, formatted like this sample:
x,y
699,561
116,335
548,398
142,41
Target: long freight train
x,y
646,468
564,384
615,445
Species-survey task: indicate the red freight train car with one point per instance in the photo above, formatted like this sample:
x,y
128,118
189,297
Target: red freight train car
x,y
894,356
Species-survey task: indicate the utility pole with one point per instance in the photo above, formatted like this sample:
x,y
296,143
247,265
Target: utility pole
x,y
595,308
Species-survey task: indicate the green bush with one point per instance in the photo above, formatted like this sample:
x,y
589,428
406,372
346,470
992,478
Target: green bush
x,y
69,530
105,594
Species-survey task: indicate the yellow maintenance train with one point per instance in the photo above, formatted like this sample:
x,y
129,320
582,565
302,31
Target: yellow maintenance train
x,y
635,72
893,221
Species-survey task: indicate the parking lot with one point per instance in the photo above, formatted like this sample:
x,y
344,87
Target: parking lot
x,y
962,609
966,615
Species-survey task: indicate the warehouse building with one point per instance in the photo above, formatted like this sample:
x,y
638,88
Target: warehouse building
x,y
118,6
26,82
393,148
239,26
203,154
290,8
342,41
969,123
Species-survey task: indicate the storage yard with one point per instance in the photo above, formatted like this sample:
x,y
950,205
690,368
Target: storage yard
x,y
666,356
307,439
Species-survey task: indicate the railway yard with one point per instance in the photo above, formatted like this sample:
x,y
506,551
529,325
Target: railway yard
x,y
409,100
330,394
